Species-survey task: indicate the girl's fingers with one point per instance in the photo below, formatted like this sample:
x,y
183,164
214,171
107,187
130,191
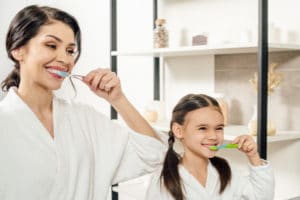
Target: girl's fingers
x,y
248,146
241,142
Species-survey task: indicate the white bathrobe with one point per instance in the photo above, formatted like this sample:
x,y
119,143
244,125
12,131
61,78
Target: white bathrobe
x,y
258,185
88,154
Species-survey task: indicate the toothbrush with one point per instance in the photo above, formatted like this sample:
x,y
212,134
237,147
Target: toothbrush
x,y
227,146
66,74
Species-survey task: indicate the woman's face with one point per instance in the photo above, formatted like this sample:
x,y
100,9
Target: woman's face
x,y
202,128
52,48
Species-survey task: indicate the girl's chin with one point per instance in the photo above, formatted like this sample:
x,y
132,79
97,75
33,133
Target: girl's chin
x,y
211,154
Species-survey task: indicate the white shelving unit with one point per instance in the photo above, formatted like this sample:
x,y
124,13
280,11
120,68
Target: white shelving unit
x,y
206,50
231,131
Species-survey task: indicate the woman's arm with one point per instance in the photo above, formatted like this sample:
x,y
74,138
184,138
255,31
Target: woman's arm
x,y
106,84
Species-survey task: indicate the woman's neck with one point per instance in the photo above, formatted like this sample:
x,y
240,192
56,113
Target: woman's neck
x,y
37,98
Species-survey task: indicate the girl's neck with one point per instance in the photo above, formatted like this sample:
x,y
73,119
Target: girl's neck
x,y
194,162
197,166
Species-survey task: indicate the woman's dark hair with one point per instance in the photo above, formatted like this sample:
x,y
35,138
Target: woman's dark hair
x,y
170,175
25,26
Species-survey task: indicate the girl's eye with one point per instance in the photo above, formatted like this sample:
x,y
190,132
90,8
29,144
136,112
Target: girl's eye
x,y
202,128
220,128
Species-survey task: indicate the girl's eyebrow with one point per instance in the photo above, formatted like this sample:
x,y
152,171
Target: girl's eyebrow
x,y
59,40
219,125
198,125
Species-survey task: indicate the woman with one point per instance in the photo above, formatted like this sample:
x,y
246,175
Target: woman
x,y
197,121
56,149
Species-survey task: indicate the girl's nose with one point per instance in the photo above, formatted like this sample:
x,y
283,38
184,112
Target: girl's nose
x,y
212,135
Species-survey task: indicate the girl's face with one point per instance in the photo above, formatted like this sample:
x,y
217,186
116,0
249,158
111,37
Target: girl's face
x,y
52,48
202,128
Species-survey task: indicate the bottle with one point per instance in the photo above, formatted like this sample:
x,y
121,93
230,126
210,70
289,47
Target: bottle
x,y
160,34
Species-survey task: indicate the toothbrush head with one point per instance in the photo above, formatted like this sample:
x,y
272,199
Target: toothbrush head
x,y
214,148
62,73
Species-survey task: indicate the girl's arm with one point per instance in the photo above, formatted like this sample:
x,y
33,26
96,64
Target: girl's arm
x,y
247,145
106,84
259,184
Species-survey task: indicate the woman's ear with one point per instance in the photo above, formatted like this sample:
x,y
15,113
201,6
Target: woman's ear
x,y
177,130
17,54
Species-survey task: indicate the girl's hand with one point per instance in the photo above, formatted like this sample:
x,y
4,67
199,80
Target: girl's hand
x,y
247,145
105,84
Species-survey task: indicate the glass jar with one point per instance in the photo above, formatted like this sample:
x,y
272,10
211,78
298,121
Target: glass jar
x,y
160,34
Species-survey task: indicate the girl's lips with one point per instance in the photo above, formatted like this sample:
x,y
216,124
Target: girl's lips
x,y
209,145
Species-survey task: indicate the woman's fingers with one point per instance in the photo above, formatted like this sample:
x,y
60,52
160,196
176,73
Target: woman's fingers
x,y
107,81
102,79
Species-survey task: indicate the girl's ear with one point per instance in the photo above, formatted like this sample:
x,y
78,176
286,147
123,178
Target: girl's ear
x,y
177,130
18,54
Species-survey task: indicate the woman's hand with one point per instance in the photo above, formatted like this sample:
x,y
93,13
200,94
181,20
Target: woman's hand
x,y
104,83
247,145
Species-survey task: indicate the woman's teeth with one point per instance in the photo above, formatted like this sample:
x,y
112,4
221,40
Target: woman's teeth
x,y
58,72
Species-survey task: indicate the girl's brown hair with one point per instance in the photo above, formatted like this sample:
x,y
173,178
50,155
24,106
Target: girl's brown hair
x,y
170,175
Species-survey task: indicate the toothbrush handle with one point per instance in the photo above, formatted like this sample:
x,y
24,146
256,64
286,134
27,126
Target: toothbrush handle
x,y
231,146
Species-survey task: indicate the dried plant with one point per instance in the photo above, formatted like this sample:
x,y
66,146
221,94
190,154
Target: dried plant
x,y
274,79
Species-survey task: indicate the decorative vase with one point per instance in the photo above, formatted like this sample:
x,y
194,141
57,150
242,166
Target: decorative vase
x,y
252,125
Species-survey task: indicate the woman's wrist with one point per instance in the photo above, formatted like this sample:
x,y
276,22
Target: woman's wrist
x,y
119,102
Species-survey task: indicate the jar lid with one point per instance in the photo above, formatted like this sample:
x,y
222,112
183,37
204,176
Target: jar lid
x,y
160,21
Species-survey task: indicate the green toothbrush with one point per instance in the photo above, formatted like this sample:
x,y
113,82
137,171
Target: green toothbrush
x,y
227,146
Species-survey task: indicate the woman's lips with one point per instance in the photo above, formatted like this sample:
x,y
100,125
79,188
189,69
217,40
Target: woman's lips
x,y
57,68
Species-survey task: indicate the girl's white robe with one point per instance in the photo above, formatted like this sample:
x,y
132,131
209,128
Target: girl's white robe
x,y
258,185
88,154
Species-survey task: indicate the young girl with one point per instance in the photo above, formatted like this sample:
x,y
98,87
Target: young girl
x,y
197,121
52,149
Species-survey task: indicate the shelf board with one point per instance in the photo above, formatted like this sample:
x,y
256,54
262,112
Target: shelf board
x,y
232,131
206,50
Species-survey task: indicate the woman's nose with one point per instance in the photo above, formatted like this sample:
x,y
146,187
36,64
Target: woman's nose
x,y
64,57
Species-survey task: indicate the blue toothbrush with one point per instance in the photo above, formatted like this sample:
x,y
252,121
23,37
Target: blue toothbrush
x,y
227,146
66,74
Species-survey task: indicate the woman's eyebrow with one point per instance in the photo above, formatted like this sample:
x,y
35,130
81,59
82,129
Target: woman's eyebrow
x,y
59,40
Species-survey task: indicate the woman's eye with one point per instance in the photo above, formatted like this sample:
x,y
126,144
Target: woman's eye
x,y
71,52
52,46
